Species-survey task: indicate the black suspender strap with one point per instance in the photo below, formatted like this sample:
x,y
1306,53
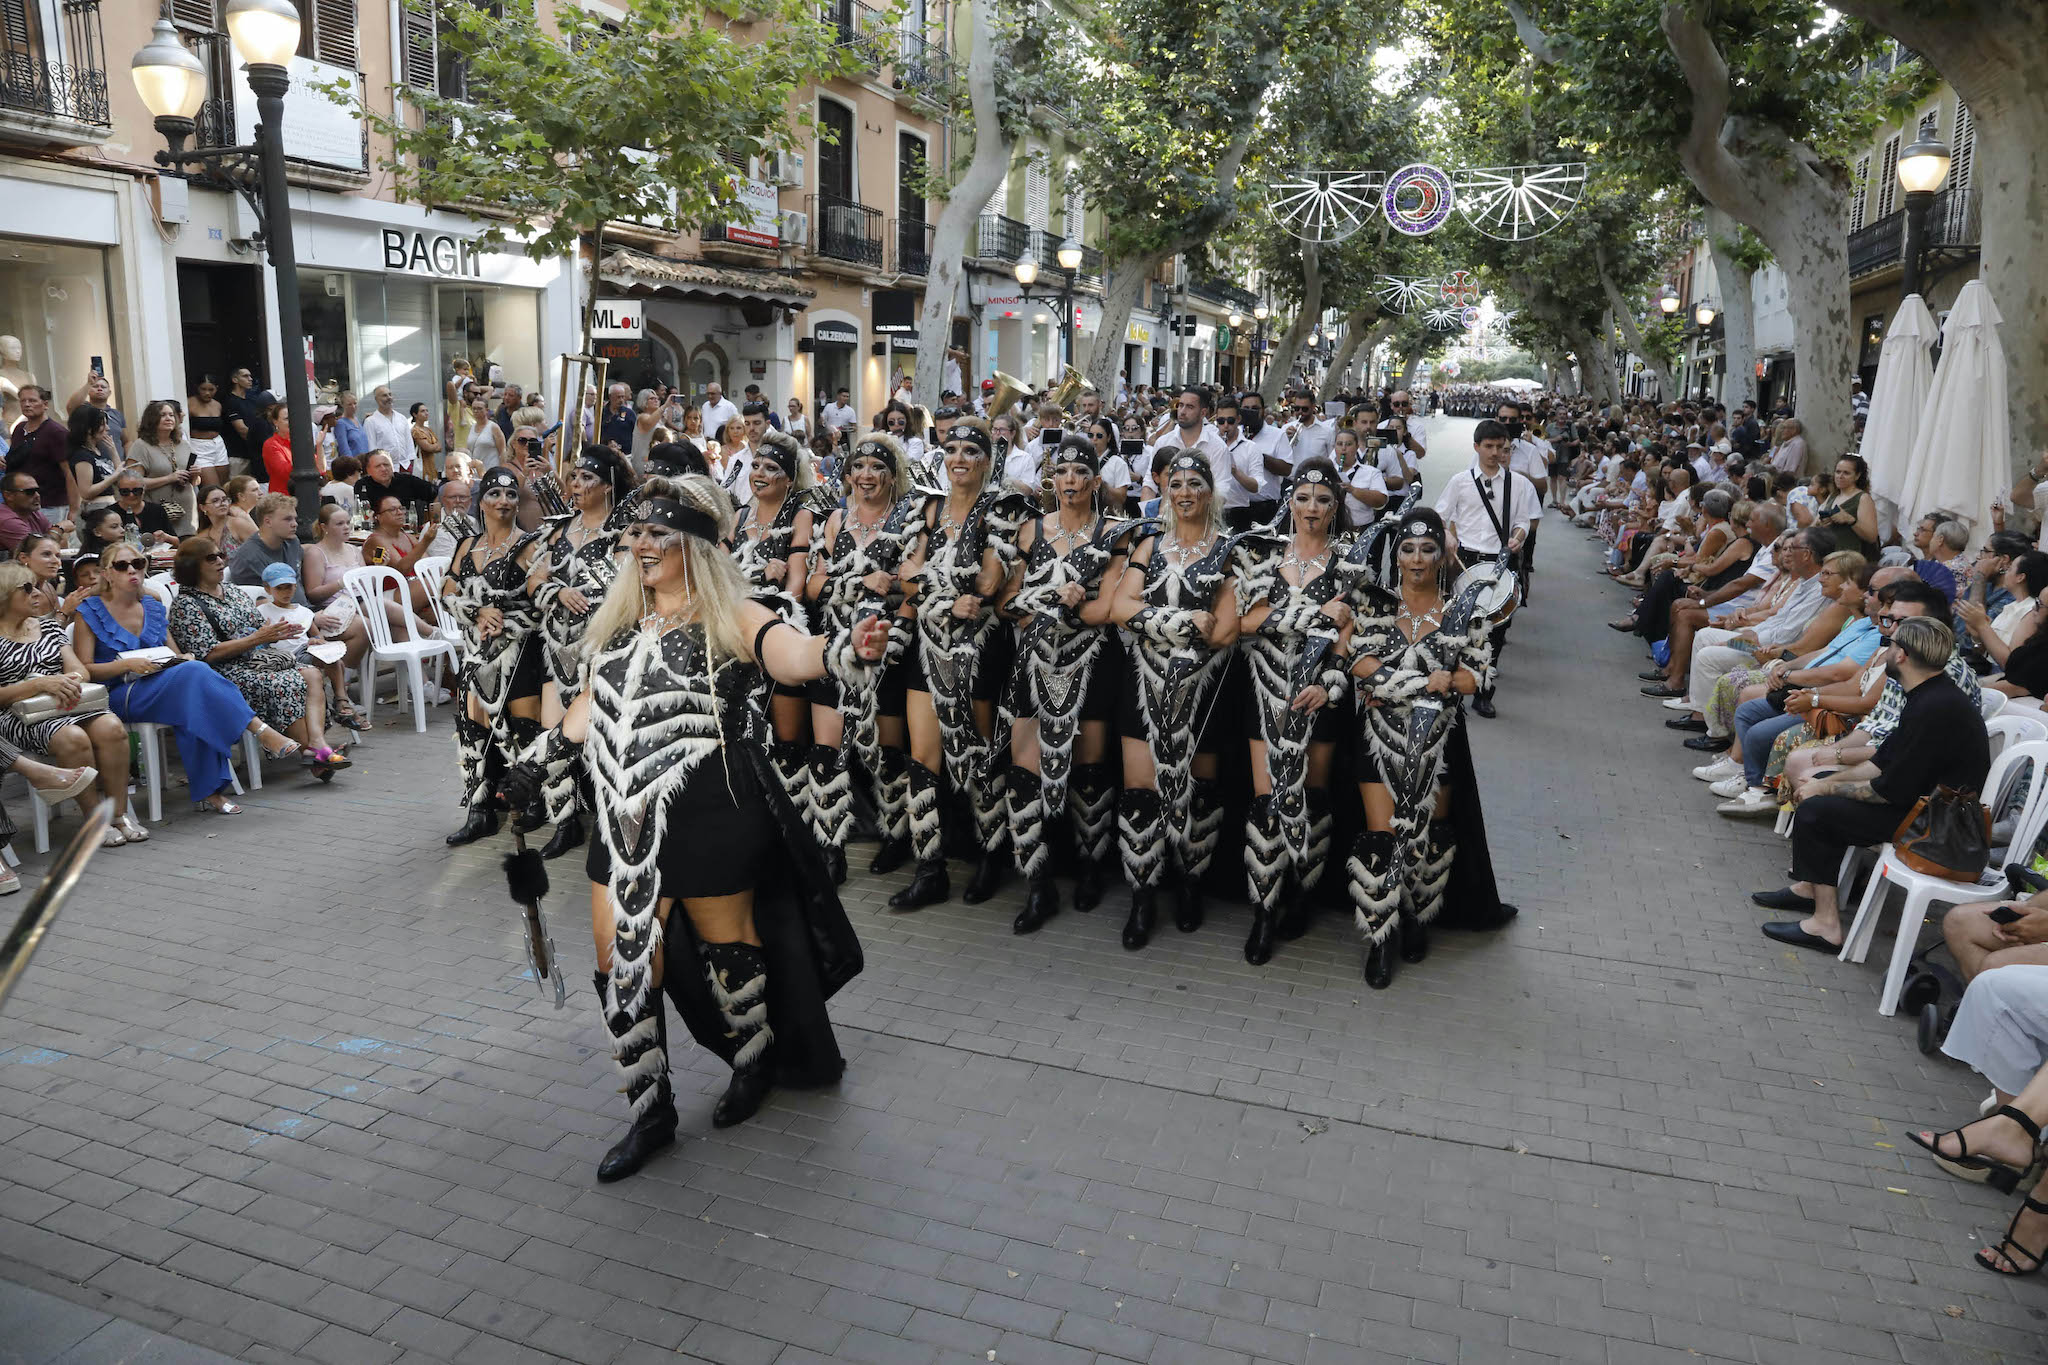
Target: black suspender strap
x,y
1486,501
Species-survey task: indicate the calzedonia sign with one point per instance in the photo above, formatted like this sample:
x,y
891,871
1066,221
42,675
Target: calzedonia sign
x,y
433,253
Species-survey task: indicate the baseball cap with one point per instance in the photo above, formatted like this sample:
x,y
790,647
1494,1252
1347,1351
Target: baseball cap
x,y
274,574
987,385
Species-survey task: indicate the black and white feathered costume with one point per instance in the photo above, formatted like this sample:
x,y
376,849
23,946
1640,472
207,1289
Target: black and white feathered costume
x,y
1057,661
590,568
757,544
1287,834
495,668
687,805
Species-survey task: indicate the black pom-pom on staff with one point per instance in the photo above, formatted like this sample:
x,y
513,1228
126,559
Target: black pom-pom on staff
x,y
526,880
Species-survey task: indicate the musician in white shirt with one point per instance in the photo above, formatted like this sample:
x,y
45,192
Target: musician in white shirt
x,y
1190,432
1241,471
1311,436
1480,505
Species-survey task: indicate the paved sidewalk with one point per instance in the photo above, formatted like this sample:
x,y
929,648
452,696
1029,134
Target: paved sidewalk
x,y
278,1087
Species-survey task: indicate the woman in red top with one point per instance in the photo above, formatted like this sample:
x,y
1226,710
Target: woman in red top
x,y
277,451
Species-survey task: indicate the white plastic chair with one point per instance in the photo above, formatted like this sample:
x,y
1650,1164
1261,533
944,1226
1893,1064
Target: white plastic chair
x,y
2026,761
1991,701
2013,724
371,587
432,573
163,588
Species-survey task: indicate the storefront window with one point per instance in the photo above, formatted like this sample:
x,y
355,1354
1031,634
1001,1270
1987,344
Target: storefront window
x,y
54,319
369,330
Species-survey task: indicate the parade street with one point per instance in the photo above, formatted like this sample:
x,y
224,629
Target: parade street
x,y
279,1086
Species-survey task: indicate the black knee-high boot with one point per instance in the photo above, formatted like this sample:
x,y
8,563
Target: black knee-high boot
x,y
1141,838
1026,802
1205,829
473,750
739,983
569,831
791,761
892,800
640,1052
927,840
1265,865
831,795
1091,801
992,828
1309,872
1375,898
1428,880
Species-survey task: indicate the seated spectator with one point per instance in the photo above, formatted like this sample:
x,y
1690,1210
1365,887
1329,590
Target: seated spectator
x,y
36,660
1722,556
1939,742
457,524
1780,634
340,489
2022,579
2001,1032
201,708
216,622
22,514
223,523
379,477
326,559
277,542
394,547
100,529
281,582
1938,543
146,521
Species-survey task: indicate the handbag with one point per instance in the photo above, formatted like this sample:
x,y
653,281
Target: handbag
x,y
1947,834
92,699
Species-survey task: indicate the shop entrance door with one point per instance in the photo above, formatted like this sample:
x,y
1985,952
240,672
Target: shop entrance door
x,y
222,312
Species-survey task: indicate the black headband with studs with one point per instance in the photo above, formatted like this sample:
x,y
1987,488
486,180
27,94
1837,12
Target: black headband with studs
x,y
1191,464
500,478
963,432
678,516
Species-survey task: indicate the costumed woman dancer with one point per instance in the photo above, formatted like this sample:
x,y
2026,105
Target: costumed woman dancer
x,y
853,571
1295,617
772,543
1062,694
498,690
963,559
1425,835
575,562
1178,604
689,814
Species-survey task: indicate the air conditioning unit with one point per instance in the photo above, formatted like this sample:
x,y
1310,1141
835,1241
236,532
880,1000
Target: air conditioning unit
x,y
787,168
796,226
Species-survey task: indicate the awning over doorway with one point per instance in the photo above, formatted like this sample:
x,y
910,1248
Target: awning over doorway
x,y
638,271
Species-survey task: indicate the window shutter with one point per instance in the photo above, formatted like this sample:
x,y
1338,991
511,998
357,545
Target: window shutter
x,y
421,49
1037,190
334,32
1962,148
1073,209
16,25
1858,187
998,199
196,14
1888,187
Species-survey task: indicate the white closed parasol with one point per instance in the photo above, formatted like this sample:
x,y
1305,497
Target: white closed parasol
x,y
1962,454
1904,373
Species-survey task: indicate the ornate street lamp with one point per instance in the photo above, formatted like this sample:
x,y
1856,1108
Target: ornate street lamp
x,y
1923,166
1705,314
1670,303
172,84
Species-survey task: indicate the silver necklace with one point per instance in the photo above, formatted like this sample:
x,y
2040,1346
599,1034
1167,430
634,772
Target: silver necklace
x,y
1305,569
1063,540
1178,554
1423,622
864,531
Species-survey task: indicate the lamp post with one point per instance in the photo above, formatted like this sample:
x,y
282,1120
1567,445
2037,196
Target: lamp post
x,y
1068,254
172,84
1923,166
1260,312
1670,302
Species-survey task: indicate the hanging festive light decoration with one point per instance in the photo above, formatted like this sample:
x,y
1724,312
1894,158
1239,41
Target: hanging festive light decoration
x,y
1417,199
1444,318
1509,203
1515,203
1460,288
1325,206
1398,295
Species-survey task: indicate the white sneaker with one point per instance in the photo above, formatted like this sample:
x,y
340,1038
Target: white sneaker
x,y
1731,786
1718,770
1679,704
1753,802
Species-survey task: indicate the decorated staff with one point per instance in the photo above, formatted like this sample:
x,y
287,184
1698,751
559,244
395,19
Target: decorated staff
x,y
1062,694
1178,604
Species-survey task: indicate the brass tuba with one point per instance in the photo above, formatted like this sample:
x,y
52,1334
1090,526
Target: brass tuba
x,y
1072,385
1009,389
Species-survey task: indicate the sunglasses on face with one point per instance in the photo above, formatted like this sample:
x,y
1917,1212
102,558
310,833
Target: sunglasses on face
x,y
130,492
124,566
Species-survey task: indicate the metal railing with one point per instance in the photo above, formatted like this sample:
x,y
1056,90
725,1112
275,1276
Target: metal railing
x,y
1222,291
1001,239
68,81
861,29
846,230
1954,225
913,239
924,68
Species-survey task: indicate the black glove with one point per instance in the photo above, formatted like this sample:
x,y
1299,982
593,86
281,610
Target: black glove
x,y
521,786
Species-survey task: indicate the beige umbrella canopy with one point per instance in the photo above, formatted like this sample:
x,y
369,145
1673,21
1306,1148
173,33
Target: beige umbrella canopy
x,y
1962,454
1904,373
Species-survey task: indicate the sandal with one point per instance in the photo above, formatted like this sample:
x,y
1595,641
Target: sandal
x,y
291,746
1982,1170
10,881
350,717
207,807
78,781
2007,1247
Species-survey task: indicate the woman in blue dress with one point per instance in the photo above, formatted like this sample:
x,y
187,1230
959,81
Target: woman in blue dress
x,y
204,710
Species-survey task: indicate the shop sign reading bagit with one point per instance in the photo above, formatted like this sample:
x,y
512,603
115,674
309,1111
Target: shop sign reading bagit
x,y
433,253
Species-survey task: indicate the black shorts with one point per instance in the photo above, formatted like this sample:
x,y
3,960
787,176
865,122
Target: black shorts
x,y
530,672
1100,701
1329,722
713,845
991,676
1132,723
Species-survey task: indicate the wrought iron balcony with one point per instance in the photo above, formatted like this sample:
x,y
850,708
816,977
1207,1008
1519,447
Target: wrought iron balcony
x,y
1223,292
1954,231
1001,239
846,230
924,68
913,238
860,28
54,84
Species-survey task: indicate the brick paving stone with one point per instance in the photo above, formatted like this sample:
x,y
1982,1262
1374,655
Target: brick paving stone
x,y
1605,1134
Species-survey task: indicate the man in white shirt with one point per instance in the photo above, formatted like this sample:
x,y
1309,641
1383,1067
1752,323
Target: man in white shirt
x,y
1485,510
718,409
389,430
1188,432
1364,478
1276,456
1241,473
838,413
1529,456
1310,435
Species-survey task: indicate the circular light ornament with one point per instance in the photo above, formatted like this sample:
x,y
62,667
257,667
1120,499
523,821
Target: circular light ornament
x,y
1417,199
